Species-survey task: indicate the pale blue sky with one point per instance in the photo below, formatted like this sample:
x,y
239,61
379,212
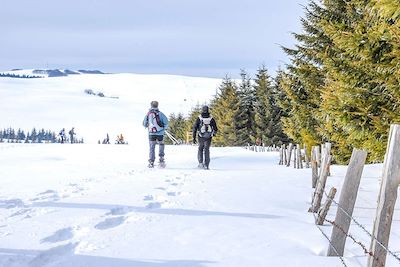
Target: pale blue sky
x,y
191,37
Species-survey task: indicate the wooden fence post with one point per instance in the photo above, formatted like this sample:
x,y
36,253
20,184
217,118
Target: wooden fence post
x,y
347,201
328,147
314,166
387,199
319,192
306,159
284,155
318,156
299,161
325,208
289,152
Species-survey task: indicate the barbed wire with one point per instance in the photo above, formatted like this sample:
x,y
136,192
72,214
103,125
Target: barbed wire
x,y
325,235
364,247
363,228
366,251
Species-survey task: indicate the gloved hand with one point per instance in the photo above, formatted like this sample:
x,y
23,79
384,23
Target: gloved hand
x,y
194,141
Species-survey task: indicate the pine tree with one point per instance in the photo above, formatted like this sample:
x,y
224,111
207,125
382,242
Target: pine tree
x,y
267,112
245,116
177,127
343,81
301,83
34,135
362,95
223,108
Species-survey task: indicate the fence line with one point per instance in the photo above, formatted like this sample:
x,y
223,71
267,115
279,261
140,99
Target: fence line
x,y
373,254
363,228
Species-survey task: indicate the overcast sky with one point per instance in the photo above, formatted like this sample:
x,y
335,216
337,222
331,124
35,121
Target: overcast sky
x,y
210,38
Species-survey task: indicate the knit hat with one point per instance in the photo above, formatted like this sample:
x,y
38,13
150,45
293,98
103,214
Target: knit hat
x,y
154,104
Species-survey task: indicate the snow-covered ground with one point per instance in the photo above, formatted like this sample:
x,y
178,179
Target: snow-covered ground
x,y
98,205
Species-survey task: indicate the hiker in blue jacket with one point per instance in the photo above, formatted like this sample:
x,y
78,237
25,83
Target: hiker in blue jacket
x,y
156,123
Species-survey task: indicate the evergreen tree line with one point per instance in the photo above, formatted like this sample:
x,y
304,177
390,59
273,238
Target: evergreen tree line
x,y
246,112
23,76
11,135
342,84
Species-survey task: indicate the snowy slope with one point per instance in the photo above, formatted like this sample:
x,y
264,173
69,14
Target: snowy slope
x,y
98,205
54,103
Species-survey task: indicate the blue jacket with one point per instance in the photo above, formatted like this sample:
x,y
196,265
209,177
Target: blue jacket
x,y
163,119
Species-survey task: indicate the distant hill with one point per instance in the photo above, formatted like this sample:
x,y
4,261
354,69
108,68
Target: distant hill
x,y
42,73
91,72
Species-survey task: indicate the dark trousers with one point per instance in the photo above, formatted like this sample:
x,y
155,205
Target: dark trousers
x,y
204,148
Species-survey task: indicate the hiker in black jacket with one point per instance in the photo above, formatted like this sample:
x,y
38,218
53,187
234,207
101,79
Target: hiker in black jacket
x,y
205,128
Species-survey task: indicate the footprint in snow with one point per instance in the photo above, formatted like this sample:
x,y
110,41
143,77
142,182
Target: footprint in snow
x,y
52,255
48,192
20,212
160,188
49,195
110,223
119,211
60,235
153,205
12,203
148,198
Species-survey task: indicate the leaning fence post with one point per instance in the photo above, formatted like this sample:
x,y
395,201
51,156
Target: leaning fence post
x,y
387,199
317,198
347,201
325,208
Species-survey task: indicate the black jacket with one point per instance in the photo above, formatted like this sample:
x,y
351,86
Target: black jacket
x,y
196,125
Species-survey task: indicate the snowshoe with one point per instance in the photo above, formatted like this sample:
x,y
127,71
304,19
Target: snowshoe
x,y
162,164
151,164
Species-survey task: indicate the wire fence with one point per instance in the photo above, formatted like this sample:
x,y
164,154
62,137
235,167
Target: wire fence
x,y
365,248
390,252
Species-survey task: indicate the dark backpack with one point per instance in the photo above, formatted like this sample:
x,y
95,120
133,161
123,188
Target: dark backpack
x,y
154,122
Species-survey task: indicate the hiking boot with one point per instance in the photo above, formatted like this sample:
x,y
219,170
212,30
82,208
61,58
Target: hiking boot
x,y
162,160
200,166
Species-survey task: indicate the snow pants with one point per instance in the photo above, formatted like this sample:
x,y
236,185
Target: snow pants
x,y
204,149
153,141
